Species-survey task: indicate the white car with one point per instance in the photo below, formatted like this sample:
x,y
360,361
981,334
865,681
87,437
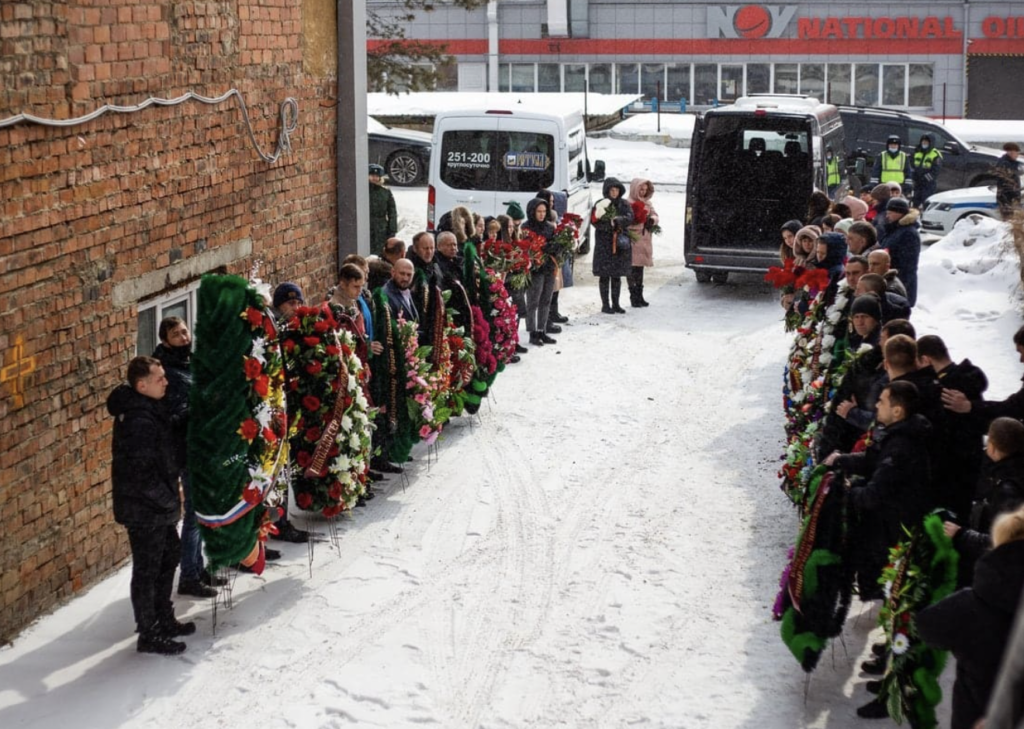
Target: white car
x,y
944,209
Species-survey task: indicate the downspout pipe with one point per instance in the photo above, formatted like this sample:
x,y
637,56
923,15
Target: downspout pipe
x,y
492,45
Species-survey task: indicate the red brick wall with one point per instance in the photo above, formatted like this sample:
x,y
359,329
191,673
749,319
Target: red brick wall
x,y
87,208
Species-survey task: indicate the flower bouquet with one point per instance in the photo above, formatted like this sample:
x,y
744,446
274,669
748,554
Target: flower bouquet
x,y
425,389
567,236
237,434
922,570
504,321
331,442
508,259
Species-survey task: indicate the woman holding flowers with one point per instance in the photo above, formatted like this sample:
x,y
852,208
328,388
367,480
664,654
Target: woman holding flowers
x,y
645,220
542,273
613,258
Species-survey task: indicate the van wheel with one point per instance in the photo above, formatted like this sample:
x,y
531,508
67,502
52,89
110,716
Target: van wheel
x,y
702,276
720,277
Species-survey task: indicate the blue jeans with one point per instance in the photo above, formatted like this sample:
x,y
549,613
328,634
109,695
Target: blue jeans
x,y
191,544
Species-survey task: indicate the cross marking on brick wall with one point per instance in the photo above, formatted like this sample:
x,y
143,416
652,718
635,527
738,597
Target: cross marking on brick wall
x,y
15,372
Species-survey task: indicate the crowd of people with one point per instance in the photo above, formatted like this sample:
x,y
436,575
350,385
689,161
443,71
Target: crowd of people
x,y
908,482
332,394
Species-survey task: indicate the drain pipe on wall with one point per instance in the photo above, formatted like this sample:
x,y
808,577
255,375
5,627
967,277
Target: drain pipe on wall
x,y
492,45
967,32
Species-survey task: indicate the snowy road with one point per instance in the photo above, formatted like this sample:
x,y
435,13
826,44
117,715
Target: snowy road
x,y
600,548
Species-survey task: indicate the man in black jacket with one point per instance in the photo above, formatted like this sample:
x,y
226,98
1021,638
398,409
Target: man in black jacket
x,y
175,354
147,502
983,411
1008,172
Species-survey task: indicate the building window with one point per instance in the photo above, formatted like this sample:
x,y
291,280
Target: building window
x,y
549,77
705,83
180,303
838,83
601,78
503,73
730,87
627,78
812,80
894,84
652,75
759,78
677,82
865,87
575,76
523,77
787,78
921,85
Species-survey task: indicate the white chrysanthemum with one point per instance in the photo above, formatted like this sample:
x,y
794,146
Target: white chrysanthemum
x,y
263,415
259,350
825,358
799,397
353,441
346,423
602,207
833,317
864,348
900,644
827,341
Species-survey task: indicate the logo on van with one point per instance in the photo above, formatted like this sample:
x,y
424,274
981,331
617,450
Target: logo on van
x,y
532,161
749,21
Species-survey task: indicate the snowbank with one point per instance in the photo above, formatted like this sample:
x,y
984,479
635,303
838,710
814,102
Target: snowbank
x,y
989,132
429,103
676,129
970,295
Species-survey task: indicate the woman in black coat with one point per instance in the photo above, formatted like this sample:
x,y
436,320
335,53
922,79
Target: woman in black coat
x,y
613,257
542,276
974,623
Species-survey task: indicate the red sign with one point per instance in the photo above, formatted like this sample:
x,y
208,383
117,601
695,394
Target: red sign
x,y
996,27
901,28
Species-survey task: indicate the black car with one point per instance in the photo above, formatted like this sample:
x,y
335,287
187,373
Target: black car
x,y
404,154
867,128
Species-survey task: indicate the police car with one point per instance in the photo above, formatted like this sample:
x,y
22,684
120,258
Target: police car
x,y
943,210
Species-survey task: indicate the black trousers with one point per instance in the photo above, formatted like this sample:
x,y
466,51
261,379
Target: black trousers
x,y
156,551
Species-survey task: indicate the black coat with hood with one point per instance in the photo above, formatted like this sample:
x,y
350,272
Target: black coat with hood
x,y
1000,490
143,469
903,241
961,439
974,624
546,230
605,262
177,367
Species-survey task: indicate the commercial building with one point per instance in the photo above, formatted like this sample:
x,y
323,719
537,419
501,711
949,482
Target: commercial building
x,y
938,58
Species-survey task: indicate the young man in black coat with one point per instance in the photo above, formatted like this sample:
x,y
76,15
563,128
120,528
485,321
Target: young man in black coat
x,y
984,412
147,502
1008,172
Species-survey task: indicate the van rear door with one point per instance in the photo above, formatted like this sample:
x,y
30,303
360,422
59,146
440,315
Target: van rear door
x,y
529,158
468,152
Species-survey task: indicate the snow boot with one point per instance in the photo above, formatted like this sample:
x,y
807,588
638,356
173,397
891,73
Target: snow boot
x,y
616,292
603,284
536,339
553,313
874,709
151,641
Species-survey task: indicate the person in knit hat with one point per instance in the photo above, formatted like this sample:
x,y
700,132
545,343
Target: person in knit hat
x,y
844,225
869,305
902,239
880,194
287,298
858,208
515,211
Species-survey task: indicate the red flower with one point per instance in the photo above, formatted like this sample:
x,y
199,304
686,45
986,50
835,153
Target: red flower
x,y
254,317
303,458
330,511
303,501
313,435
249,430
346,350
289,345
293,385
269,435
253,368
321,326
311,403
268,328
314,367
311,341
335,491
333,350
261,385
639,212
252,495
294,322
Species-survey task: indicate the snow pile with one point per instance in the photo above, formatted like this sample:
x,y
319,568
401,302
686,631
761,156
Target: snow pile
x,y
430,103
676,129
990,132
970,295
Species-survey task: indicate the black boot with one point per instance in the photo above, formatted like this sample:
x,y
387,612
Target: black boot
x,y
536,339
603,284
553,315
634,299
616,292
638,279
151,641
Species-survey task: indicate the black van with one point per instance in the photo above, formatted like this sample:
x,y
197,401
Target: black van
x,y
867,128
753,166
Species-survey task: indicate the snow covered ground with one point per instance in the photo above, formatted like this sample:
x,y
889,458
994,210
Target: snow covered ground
x,y
599,548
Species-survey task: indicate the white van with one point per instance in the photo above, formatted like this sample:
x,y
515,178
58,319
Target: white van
x,y
482,160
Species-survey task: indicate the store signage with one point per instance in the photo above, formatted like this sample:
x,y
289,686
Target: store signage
x,y
753,22
749,21
996,27
901,28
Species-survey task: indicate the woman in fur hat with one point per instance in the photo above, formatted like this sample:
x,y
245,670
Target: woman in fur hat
x,y
641,191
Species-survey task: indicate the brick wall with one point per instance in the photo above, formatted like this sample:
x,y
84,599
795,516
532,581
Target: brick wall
x,y
87,212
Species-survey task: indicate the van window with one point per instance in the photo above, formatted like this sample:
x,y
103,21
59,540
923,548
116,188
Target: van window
x,y
576,171
502,161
